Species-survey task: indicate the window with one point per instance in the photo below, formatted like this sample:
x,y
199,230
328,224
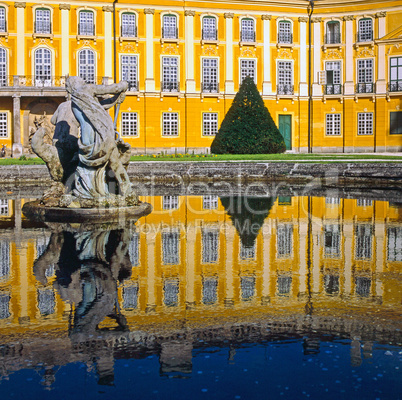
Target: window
x,y
130,296
3,124
247,33
209,290
3,67
333,35
363,241
332,241
395,73
364,123
331,284
364,203
365,30
210,246
285,32
42,20
46,301
170,124
209,124
43,67
4,258
285,77
3,207
86,25
333,77
363,286
128,25
169,74
129,71
170,202
247,286
284,236
395,123
210,75
247,253
365,76
171,292
41,245
3,25
86,65
134,249
4,305
394,244
332,201
169,29
209,31
284,283
333,124
210,202
247,68
129,124
170,247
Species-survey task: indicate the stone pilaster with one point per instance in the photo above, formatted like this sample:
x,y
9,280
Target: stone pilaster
x,y
108,55
149,46
17,145
229,84
349,67
267,83
189,50
303,57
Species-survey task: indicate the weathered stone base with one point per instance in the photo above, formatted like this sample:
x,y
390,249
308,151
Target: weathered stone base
x,y
38,212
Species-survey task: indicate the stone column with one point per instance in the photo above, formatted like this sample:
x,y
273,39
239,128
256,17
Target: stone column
x,y
20,37
17,217
229,84
317,88
303,86
189,51
303,237
266,273
109,55
149,45
381,84
349,67
151,278
315,245
348,255
17,145
190,265
229,289
381,254
65,40
267,84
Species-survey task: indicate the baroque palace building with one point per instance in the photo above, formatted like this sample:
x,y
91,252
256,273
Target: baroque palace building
x,y
185,61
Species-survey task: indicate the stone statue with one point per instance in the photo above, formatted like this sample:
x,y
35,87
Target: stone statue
x,y
86,162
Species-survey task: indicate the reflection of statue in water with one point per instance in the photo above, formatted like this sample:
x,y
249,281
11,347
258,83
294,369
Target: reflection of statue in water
x,y
87,163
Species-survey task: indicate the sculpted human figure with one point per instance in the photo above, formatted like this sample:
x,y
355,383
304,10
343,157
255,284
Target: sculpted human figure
x,y
99,152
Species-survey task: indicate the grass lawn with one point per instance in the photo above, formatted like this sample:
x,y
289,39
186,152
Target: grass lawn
x,y
317,158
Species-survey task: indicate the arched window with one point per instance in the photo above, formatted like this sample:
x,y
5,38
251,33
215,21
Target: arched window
x,y
3,67
86,25
3,25
247,33
86,65
43,67
365,30
285,32
42,20
209,31
129,70
128,25
169,29
333,35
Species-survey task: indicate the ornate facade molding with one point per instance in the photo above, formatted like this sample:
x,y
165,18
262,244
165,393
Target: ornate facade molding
x,y
189,13
316,19
381,14
20,5
266,17
65,7
149,11
349,18
228,15
107,8
303,19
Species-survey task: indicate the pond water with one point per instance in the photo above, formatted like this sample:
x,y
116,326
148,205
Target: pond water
x,y
207,297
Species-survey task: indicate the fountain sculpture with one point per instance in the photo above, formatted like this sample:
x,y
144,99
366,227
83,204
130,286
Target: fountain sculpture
x,y
87,163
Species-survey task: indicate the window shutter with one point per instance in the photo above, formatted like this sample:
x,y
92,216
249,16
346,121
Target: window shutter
x,y
322,77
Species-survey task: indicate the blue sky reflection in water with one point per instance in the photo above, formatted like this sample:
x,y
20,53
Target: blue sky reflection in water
x,y
303,308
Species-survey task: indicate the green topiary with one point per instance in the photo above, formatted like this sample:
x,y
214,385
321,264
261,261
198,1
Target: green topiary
x,y
248,127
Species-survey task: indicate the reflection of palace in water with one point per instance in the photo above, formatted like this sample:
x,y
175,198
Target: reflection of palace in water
x,y
191,267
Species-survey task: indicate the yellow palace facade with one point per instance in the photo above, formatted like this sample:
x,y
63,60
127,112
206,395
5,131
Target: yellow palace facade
x,y
185,61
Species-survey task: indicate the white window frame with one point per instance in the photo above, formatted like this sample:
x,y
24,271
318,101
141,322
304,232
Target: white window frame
x,y
209,33
129,70
210,74
245,67
84,69
171,289
247,30
128,28
394,243
170,124
130,296
43,69
210,124
210,245
247,287
210,290
171,247
134,249
209,202
85,20
169,30
5,258
43,18
3,18
363,30
283,77
365,72
333,124
284,240
330,35
170,202
365,124
285,31
129,124
170,74
363,241
3,67
4,124
332,240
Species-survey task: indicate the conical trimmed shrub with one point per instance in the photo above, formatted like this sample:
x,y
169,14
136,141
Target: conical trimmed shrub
x,y
248,127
